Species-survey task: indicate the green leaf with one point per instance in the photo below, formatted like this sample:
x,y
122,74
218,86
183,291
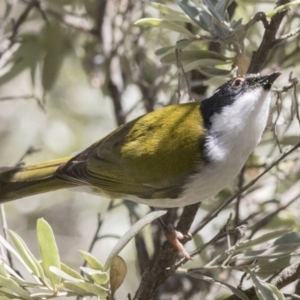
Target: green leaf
x,y
264,290
11,285
48,250
262,239
4,298
202,62
212,10
131,233
91,260
117,273
169,11
164,50
234,290
211,71
222,6
70,271
64,275
26,255
54,53
96,275
278,9
87,288
2,270
269,253
188,56
152,22
200,17
26,56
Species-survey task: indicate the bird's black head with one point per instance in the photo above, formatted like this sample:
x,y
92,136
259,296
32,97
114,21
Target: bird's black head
x,y
232,90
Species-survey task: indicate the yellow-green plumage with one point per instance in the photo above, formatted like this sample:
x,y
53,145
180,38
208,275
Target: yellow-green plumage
x,y
138,158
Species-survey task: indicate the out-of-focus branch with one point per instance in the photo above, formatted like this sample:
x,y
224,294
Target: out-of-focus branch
x,y
24,97
268,42
8,43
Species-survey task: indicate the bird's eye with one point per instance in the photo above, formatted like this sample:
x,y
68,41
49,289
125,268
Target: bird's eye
x,y
238,82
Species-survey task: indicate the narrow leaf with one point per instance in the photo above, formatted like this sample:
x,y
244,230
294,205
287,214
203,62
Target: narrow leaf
x,y
70,271
60,273
118,271
89,288
164,24
262,239
202,62
96,275
48,250
169,11
91,260
211,71
131,233
268,253
188,56
54,53
26,255
164,50
200,17
234,290
264,290
11,285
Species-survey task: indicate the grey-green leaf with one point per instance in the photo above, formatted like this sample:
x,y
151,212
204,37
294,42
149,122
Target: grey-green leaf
x,y
48,250
53,44
11,285
96,275
131,233
234,290
26,255
70,271
91,260
268,253
262,239
264,290
164,24
64,275
200,17
187,56
89,288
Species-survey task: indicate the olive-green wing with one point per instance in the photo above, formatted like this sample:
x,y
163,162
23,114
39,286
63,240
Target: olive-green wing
x,y
150,157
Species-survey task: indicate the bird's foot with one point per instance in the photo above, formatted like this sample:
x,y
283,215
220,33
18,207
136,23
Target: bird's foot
x,y
176,238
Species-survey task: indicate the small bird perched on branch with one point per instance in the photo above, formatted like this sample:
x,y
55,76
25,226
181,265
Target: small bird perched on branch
x,y
175,156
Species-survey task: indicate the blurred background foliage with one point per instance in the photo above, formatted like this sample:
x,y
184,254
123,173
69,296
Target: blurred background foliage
x,y
72,70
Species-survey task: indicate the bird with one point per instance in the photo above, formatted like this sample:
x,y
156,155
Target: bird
x,y
175,156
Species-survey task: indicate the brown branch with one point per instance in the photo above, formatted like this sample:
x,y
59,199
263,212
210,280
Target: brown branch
x,y
268,42
160,270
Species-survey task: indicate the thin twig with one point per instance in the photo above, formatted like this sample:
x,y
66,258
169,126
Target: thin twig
x,y
17,25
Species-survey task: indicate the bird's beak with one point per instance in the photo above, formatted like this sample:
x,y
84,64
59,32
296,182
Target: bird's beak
x,y
267,80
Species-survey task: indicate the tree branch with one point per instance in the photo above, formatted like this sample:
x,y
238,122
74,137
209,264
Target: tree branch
x,y
162,267
268,42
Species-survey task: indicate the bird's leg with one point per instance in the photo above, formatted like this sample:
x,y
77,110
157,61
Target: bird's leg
x,y
174,237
